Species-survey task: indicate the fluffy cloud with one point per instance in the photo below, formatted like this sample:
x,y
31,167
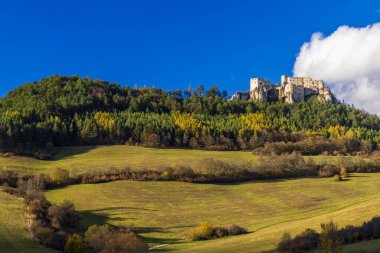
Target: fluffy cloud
x,y
348,60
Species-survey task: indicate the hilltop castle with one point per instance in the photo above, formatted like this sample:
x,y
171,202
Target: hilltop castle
x,y
290,90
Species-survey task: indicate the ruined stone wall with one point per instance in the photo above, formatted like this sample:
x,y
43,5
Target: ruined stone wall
x,y
241,96
310,87
294,93
260,89
291,90
259,94
260,83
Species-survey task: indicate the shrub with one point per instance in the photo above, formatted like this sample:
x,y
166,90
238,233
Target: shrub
x,y
285,244
51,224
203,231
330,242
75,244
328,171
109,239
94,237
206,231
183,172
9,177
331,238
63,216
338,178
128,242
167,173
37,204
60,176
343,172
236,230
306,241
218,232
42,234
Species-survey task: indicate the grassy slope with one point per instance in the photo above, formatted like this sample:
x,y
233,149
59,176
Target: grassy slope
x,y
96,157
83,158
164,211
14,236
368,246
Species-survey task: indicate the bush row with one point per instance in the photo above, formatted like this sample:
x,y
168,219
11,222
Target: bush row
x,y
58,226
318,145
48,224
206,231
210,171
330,239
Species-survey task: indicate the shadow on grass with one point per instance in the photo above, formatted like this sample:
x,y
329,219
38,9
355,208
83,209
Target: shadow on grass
x,y
360,175
103,215
121,208
156,240
278,180
16,245
69,151
266,180
92,218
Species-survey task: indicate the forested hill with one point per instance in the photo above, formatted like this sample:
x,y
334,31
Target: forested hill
x,y
63,110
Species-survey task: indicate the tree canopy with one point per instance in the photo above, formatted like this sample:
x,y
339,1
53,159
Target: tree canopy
x,y
69,110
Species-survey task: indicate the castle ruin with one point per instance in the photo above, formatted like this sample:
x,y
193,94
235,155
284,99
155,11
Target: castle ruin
x,y
290,90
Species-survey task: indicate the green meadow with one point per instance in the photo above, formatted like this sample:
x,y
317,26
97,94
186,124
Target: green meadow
x,y
14,236
83,158
372,246
163,212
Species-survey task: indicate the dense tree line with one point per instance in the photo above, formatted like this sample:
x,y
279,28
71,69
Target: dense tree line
x,y
62,110
331,238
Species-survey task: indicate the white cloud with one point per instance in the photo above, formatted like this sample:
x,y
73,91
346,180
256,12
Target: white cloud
x,y
348,60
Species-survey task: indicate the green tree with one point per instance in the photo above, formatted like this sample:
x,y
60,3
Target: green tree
x,y
75,244
60,176
329,241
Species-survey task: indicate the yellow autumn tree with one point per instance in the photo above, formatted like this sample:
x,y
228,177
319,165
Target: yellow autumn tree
x,y
255,122
336,131
190,125
105,121
11,114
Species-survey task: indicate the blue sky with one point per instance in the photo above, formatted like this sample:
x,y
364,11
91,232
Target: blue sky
x,y
169,44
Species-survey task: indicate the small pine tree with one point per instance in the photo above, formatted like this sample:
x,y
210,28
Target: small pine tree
x,y
75,244
343,172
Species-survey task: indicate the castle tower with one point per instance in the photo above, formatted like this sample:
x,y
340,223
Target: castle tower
x,y
260,83
254,83
284,79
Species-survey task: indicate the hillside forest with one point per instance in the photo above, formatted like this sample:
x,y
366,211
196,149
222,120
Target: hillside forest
x,y
69,110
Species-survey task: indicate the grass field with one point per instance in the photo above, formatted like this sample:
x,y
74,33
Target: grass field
x,y
369,246
14,236
85,158
163,212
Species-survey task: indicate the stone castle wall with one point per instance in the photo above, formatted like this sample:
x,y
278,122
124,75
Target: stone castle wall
x,y
293,93
290,90
256,83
